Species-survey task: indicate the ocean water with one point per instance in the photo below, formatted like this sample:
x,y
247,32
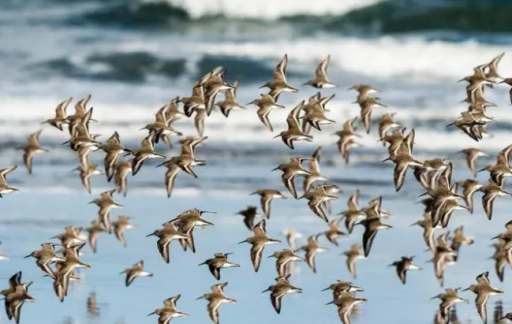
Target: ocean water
x,y
133,56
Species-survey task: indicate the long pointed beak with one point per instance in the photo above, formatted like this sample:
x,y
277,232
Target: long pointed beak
x,y
332,302
198,298
152,313
326,289
275,169
465,289
207,212
28,256
150,234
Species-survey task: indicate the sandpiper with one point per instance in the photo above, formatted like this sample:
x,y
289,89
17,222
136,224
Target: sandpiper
x,y
290,171
169,311
281,288
364,91
404,265
186,222
71,235
387,122
314,169
428,230
4,187
353,254
166,235
492,70
216,298
483,290
321,81
137,270
230,102
106,202
279,84
341,286
94,230
458,239
85,173
367,106
15,296
122,169
491,191
294,132
291,236
64,273
402,163
443,257
120,225
32,148
266,104
471,155
283,258
145,152
195,102
353,213
113,148
220,260
249,214
346,302
449,298
334,231
44,257
316,196
372,225
258,241
60,115
330,189
311,249
469,187
266,198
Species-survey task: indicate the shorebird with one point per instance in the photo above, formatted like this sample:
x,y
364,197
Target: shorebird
x,y
113,148
120,225
491,191
500,258
122,169
472,154
266,103
85,173
364,90
230,102
346,302
316,197
166,235
160,128
283,258
279,290
334,231
94,230
266,198
387,122
330,189
353,213
186,222
64,273
15,296
290,170
219,261
294,132
279,84
372,225
4,187
71,235
137,270
469,187
492,70
367,106
443,257
195,102
341,286
428,231
402,266
311,249
60,115
353,254
106,202
215,299
32,148
249,214
458,239
402,163
314,169
169,311
449,298
45,256
483,290
142,154
291,237
213,83
321,81
258,241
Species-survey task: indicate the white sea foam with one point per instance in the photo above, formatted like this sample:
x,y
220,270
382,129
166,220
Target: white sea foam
x,y
268,9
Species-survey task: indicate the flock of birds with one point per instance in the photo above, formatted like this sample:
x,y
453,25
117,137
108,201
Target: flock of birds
x,y
435,176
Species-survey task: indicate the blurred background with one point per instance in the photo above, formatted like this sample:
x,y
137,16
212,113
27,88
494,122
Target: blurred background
x,y
133,56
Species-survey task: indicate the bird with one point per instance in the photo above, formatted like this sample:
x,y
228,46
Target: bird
x,y
283,258
321,81
249,214
106,202
32,148
137,270
169,311
449,298
267,195
219,261
215,299
483,290
258,242
279,290
353,254
311,249
404,265
4,186
345,302
290,170
279,84
120,225
168,233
